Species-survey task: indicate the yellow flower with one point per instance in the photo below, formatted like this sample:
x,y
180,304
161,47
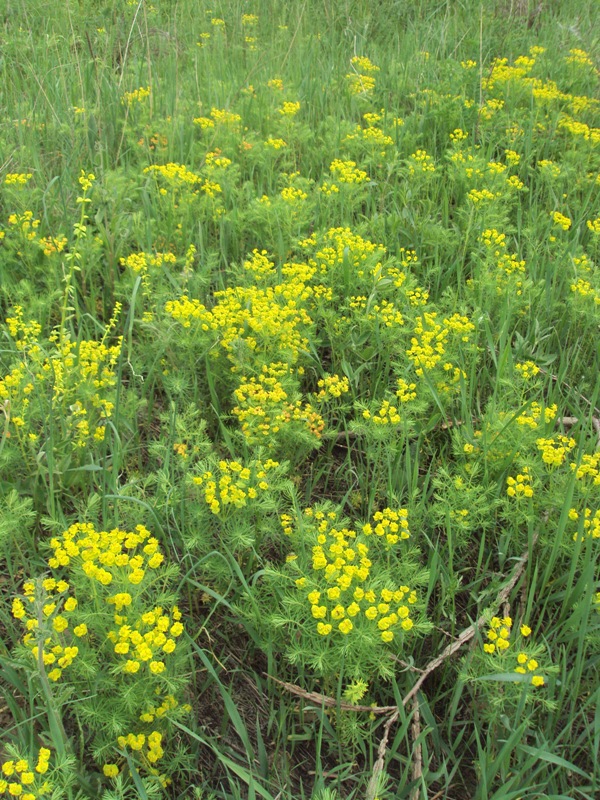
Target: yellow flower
x,y
345,626
110,770
323,629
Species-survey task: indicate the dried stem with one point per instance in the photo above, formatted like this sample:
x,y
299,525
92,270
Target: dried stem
x,y
325,700
448,651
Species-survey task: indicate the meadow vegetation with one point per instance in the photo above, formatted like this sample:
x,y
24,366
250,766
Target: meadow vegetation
x,y
299,442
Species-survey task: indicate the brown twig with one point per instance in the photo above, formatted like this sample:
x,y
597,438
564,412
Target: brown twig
x,y
556,379
325,700
417,767
568,422
448,651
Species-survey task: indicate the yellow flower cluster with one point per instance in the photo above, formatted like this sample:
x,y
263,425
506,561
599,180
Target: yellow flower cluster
x,y
512,157
216,160
289,108
499,634
420,161
554,451
534,415
52,650
22,781
76,376
477,196
153,742
140,262
268,320
585,289
417,296
591,524
184,310
169,703
133,639
332,386
527,369
588,468
521,485
594,225
579,57
458,135
496,168
259,265
513,182
428,345
292,194
577,128
408,261
26,223
360,84
386,313
275,144
329,188
549,168
371,137
136,96
17,178
501,72
391,524
52,244
363,64
561,221
236,485
361,80
176,175
406,391
146,639
340,246
24,333
221,117
263,408
347,599
347,172
460,324
372,117
386,415
528,665
105,556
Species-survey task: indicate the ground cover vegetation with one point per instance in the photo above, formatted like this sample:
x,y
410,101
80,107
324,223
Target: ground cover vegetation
x,y
299,443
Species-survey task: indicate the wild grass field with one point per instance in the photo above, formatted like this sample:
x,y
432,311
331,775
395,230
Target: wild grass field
x,y
300,437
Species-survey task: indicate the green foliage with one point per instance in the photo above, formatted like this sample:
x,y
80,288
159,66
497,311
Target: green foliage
x,y
298,376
